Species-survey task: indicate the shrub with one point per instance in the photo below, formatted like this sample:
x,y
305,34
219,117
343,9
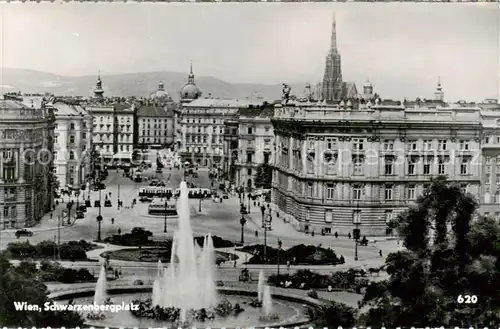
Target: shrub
x,y
313,294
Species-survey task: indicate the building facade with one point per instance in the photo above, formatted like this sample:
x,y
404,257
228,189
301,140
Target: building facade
x,y
255,143
338,167
73,143
26,180
202,128
155,126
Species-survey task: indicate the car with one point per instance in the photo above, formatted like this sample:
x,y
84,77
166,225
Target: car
x,y
195,175
107,203
79,214
225,196
82,208
23,232
138,283
145,199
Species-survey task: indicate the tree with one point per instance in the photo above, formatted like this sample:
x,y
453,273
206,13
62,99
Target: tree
x,y
21,285
332,315
264,176
447,255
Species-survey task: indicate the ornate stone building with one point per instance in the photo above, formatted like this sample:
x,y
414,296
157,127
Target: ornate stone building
x,y
26,146
202,128
336,167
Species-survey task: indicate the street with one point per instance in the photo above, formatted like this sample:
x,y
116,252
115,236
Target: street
x,y
221,219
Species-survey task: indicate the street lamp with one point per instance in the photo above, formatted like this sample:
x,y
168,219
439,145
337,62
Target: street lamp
x,y
199,204
99,219
77,194
165,218
279,249
356,231
242,222
118,198
249,199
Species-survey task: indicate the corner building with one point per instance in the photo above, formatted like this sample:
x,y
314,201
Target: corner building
x,y
341,166
26,146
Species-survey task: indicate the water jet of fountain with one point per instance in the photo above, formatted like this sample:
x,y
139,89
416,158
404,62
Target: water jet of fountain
x,y
260,285
267,302
189,282
100,295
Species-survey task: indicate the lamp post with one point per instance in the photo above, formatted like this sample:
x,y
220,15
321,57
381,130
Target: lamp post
x,y
242,222
249,201
77,194
199,204
99,219
58,236
356,235
279,249
165,218
118,198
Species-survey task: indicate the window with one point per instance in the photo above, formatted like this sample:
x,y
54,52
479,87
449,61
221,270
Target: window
x,y
487,140
72,139
310,143
330,191
249,171
13,212
310,163
412,145
356,192
250,130
497,197
71,155
442,144
10,193
411,192
308,214
72,126
412,164
331,143
331,162
464,145
358,166
328,216
5,212
427,167
464,167
356,216
388,216
310,189
427,145
388,145
357,144
497,179
441,167
388,192
249,157
389,166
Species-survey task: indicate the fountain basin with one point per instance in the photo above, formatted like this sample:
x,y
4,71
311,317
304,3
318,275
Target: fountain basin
x,y
290,307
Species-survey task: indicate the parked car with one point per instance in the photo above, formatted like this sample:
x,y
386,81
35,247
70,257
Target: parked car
x,y
107,203
145,199
138,283
82,208
79,214
23,232
225,196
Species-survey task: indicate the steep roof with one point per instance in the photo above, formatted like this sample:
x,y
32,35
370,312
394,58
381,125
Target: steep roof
x,y
154,111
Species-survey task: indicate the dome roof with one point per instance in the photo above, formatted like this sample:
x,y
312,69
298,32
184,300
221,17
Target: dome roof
x,y
160,94
190,91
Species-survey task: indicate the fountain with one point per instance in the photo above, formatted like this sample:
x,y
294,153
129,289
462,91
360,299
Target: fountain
x,y
100,295
267,302
189,281
260,286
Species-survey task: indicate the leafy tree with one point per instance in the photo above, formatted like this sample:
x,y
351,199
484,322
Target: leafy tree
x,y
446,255
332,315
21,285
264,176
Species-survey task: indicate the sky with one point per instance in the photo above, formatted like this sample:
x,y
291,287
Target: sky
x,y
401,47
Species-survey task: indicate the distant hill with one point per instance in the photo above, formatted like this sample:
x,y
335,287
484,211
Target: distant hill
x,y
132,84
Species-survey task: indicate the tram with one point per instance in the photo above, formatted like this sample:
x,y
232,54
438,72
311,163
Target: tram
x,y
156,192
159,207
196,193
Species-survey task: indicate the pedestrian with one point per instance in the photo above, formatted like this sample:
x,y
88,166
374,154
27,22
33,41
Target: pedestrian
x,y
51,215
349,235
256,233
380,252
112,220
336,235
119,231
288,265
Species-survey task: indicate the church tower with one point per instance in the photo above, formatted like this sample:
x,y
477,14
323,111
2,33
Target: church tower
x,y
332,80
439,94
98,91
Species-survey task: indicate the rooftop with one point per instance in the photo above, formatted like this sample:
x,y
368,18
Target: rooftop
x,y
229,103
154,111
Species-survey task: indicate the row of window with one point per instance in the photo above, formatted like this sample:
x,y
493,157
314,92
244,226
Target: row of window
x,y
72,126
359,144
72,138
108,147
155,126
155,133
143,120
202,139
152,140
205,130
389,215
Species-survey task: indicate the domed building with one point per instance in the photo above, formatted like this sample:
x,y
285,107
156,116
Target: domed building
x,y
190,91
161,96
